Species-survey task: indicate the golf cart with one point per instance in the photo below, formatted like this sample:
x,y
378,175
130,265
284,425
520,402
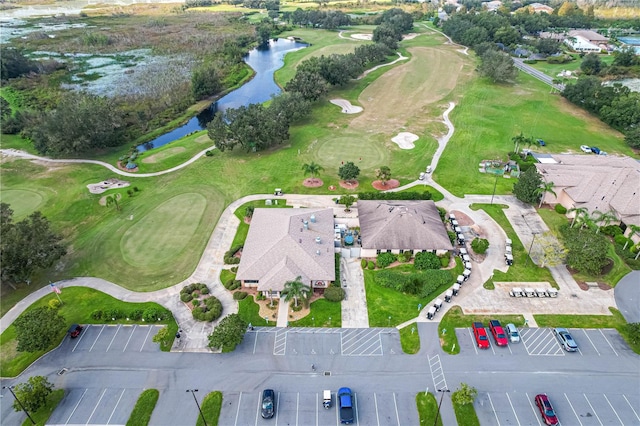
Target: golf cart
x,y
326,400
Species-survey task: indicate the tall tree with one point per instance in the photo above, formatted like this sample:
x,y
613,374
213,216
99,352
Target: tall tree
x,y
38,329
312,169
228,334
349,171
527,186
112,200
33,394
348,201
547,187
591,64
26,246
295,290
498,67
464,395
518,140
384,174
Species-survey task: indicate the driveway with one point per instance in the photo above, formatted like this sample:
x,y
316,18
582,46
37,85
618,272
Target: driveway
x,y
627,295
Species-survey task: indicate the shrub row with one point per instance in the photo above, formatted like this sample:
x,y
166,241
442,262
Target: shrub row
x,y
239,295
426,260
336,282
385,259
229,256
232,284
421,284
408,195
191,291
148,315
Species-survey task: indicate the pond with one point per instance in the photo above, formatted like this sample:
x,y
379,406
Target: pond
x,y
264,61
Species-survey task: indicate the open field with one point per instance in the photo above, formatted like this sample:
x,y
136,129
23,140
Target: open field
x,y
554,69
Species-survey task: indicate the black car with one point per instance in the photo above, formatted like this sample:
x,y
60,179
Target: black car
x,y
268,403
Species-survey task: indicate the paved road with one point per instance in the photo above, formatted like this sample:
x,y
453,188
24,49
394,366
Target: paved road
x,y
519,63
627,294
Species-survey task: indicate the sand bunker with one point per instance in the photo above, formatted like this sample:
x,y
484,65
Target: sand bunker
x,y
99,188
410,36
405,140
368,37
346,106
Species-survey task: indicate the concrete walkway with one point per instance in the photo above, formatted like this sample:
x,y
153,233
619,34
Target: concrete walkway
x,y
354,307
283,313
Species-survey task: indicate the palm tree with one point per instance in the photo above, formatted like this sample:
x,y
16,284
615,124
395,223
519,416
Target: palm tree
x,y
579,212
384,174
635,229
586,220
312,169
604,217
112,200
541,191
517,140
295,290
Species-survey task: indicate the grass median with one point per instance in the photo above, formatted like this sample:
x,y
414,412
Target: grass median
x,y
427,409
211,406
410,339
79,303
141,414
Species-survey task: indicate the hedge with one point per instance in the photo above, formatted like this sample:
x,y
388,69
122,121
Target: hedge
x,y
334,294
239,295
426,260
385,259
408,195
559,208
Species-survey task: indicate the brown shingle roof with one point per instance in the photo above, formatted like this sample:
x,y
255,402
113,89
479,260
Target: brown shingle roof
x,y
598,183
279,248
405,225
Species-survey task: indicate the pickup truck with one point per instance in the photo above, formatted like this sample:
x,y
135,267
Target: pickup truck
x,y
498,332
480,335
345,399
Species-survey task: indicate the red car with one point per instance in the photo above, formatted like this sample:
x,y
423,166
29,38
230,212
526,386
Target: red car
x,y
548,415
480,334
498,333
75,330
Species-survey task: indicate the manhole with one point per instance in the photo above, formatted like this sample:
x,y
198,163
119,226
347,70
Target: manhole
x,y
61,372
327,373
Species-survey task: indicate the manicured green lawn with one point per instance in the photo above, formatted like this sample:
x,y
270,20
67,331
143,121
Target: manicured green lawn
x,y
141,414
466,414
554,69
454,318
616,321
387,307
249,311
427,409
523,269
410,339
211,406
79,303
41,416
323,314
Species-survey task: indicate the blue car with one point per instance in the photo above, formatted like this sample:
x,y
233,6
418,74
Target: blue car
x,y
595,150
345,399
541,142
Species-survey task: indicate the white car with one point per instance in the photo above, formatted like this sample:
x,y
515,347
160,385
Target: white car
x,y
585,148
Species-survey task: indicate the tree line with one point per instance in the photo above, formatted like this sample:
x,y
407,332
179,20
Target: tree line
x,y
259,127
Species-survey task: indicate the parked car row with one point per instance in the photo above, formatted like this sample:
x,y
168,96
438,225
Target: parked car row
x,y
500,335
344,397
592,150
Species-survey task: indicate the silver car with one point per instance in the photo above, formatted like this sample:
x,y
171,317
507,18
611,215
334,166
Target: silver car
x,y
565,339
512,332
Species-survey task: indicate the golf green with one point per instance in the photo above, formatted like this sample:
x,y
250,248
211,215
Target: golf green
x,y
23,202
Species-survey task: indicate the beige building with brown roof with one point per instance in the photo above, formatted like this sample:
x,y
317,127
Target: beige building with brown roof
x,y
400,226
596,183
283,244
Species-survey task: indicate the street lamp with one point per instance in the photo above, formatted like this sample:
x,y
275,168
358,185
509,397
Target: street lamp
x,y
440,404
196,400
19,402
531,246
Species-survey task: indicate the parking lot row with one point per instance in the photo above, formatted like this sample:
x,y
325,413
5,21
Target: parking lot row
x,y
542,342
115,338
95,406
298,409
580,409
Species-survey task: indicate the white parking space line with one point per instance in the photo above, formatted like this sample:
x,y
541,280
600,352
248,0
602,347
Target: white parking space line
x,y
80,339
631,406
317,408
129,339
255,342
375,403
509,347
97,337
473,341
395,403
592,409
238,410
573,409
494,409
613,409
592,344
535,413
114,408
513,409
608,342
113,338
76,407
145,337
297,406
355,405
491,344
97,405
258,410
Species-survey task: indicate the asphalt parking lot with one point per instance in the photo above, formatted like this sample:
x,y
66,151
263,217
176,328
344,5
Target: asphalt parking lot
x,y
541,342
305,408
114,338
95,406
319,341
583,409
